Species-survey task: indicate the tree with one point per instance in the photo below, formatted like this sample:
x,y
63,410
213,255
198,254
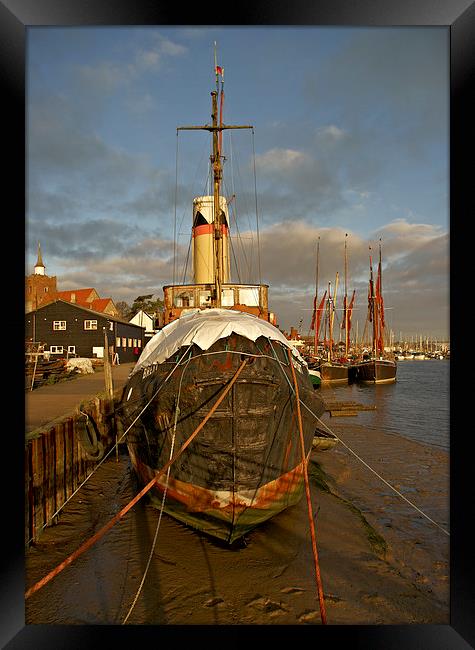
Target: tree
x,y
124,309
146,304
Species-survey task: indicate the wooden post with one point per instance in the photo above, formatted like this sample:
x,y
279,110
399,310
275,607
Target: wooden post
x,y
109,386
107,368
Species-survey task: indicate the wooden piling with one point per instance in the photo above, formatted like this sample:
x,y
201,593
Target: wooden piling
x,y
56,463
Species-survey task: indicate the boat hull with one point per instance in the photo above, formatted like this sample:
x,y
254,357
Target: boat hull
x,y
334,373
315,378
376,371
245,464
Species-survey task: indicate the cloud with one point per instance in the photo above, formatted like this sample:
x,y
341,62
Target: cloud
x,y
281,160
107,76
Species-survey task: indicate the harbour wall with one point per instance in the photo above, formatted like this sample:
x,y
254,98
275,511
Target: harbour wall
x,y
61,455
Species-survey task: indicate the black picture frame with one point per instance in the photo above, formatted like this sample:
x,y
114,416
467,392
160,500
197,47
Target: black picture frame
x,y
459,17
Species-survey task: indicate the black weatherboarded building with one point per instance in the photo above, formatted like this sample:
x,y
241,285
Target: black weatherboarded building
x,y
67,329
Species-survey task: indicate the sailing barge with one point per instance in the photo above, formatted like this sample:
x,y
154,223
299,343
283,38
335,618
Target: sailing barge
x,y
218,343
379,368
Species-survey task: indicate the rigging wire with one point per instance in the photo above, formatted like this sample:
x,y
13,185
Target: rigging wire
x,y
176,199
361,460
247,211
152,550
257,213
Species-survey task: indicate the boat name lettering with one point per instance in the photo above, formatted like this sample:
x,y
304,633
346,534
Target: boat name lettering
x,y
149,370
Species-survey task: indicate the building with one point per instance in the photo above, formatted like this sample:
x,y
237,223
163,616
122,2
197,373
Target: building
x,y
145,320
41,289
38,285
88,298
68,329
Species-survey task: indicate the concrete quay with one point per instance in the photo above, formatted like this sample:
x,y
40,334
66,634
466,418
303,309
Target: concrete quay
x,y
49,403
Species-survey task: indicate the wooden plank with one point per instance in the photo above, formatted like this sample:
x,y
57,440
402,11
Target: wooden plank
x,y
38,476
28,495
60,483
81,467
343,414
49,473
69,458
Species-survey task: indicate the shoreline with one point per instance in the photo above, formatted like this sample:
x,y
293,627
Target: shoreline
x,y
270,578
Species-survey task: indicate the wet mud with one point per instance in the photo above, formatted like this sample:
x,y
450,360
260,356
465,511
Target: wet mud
x,y
380,561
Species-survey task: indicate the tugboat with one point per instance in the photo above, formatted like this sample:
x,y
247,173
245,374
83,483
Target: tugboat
x,y
213,397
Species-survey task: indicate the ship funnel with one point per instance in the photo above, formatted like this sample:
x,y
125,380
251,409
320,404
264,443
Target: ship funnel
x,y
204,262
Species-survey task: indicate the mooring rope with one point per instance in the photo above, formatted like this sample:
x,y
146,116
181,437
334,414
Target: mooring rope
x,y
321,599
152,550
92,540
413,505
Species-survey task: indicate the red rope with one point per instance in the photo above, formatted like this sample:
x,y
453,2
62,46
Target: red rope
x,y
321,599
92,540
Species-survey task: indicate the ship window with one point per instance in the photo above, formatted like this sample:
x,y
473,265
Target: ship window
x,y
227,297
185,299
249,296
205,298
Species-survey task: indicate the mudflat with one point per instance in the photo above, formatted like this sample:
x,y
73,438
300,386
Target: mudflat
x,y
381,561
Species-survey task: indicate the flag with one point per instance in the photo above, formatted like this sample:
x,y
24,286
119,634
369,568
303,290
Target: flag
x,y
219,70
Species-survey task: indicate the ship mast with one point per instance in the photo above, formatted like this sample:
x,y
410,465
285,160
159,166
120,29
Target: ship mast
x,y
373,306
345,303
216,130
316,323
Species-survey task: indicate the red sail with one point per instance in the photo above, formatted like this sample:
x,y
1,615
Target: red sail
x,y
350,310
319,312
380,304
312,324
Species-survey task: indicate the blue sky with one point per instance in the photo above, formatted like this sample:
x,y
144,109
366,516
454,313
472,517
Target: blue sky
x,y
350,136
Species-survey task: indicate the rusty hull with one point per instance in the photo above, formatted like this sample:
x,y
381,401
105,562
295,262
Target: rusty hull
x,y
245,465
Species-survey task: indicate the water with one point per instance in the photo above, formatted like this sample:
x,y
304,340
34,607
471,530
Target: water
x,y
416,406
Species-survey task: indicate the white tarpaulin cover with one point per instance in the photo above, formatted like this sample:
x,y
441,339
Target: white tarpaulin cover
x,y
205,327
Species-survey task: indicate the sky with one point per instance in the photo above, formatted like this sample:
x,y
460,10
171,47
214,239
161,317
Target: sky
x,y
350,142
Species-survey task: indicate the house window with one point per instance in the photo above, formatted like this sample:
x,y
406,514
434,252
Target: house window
x,y
130,343
46,289
71,349
56,349
124,342
117,342
90,324
59,325
135,343
139,343
111,326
